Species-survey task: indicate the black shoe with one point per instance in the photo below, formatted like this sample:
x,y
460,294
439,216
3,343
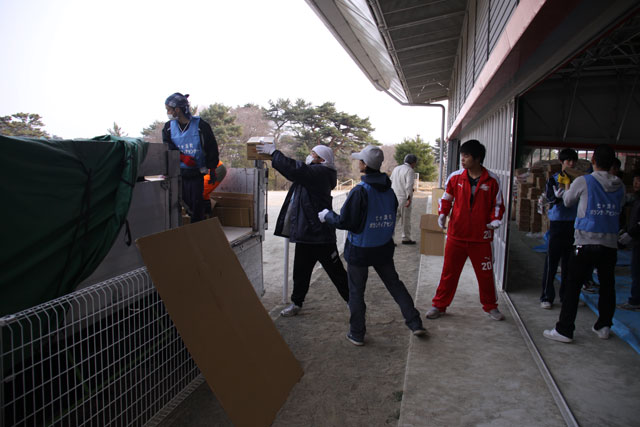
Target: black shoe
x,y
408,242
419,332
354,340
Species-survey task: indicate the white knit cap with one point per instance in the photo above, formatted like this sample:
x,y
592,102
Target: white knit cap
x,y
326,154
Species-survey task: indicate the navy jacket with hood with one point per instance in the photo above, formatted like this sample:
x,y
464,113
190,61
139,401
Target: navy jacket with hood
x,y
311,193
353,217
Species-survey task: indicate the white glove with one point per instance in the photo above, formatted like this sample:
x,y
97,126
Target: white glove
x,y
558,191
442,219
494,224
266,148
624,239
322,214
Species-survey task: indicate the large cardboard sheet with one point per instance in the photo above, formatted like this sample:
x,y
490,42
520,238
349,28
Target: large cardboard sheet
x,y
228,332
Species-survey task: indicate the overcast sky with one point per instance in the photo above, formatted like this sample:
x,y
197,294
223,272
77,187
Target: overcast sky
x,y
84,64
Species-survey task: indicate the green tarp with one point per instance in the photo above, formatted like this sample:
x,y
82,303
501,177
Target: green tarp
x,y
63,203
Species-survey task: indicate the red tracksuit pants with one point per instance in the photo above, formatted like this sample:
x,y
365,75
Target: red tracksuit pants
x,y
455,255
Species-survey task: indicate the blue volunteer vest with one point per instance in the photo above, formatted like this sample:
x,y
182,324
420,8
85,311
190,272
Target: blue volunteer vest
x,y
603,209
559,212
381,219
188,142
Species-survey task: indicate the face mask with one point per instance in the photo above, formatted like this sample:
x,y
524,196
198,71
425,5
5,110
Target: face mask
x,y
170,116
309,159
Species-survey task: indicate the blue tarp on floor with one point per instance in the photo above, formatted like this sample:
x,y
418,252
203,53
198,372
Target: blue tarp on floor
x,y
626,323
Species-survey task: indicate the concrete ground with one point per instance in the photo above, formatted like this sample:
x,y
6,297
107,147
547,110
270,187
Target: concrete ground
x,y
470,371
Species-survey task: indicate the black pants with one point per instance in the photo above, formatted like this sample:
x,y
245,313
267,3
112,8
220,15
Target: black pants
x,y
305,259
192,189
357,284
559,248
582,261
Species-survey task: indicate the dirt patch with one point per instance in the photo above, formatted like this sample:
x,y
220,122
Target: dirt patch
x,y
342,384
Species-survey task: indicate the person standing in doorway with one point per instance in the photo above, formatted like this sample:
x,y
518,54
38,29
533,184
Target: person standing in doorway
x,y
369,214
402,180
560,241
599,197
474,192
312,181
198,148
630,237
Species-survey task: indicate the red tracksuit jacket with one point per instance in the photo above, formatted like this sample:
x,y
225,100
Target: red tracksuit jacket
x,y
469,222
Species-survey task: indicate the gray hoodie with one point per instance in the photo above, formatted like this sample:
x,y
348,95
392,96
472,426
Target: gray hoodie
x,y
577,193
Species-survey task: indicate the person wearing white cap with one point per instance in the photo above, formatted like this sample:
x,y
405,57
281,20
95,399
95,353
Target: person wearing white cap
x,y
402,179
312,181
369,214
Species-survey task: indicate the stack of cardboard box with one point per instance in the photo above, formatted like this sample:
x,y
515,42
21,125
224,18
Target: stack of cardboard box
x,y
531,183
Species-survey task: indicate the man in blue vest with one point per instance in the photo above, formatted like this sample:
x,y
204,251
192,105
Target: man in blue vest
x,y
369,214
599,197
560,243
198,148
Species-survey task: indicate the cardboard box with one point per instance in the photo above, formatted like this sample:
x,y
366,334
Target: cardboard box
x,y
220,318
233,209
574,173
233,217
432,237
436,195
252,153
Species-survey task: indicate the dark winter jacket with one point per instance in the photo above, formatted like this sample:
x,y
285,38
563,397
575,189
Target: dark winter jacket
x,y
311,193
353,217
633,224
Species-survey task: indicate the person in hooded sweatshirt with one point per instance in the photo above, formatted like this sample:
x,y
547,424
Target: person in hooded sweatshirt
x,y
369,214
312,181
599,197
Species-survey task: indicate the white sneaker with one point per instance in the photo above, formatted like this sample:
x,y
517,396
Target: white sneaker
x,y
434,313
556,336
290,310
495,314
546,305
602,333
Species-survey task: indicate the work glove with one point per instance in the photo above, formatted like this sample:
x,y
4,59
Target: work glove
x,y
558,191
322,214
188,160
494,224
624,239
266,148
442,219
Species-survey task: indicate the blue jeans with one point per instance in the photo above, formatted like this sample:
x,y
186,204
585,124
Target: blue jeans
x,y
357,283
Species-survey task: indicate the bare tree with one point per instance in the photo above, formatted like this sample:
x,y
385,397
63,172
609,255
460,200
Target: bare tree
x,y
389,161
153,133
251,118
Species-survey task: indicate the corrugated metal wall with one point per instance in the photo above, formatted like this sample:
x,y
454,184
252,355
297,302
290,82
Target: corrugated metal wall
x,y
483,25
496,133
